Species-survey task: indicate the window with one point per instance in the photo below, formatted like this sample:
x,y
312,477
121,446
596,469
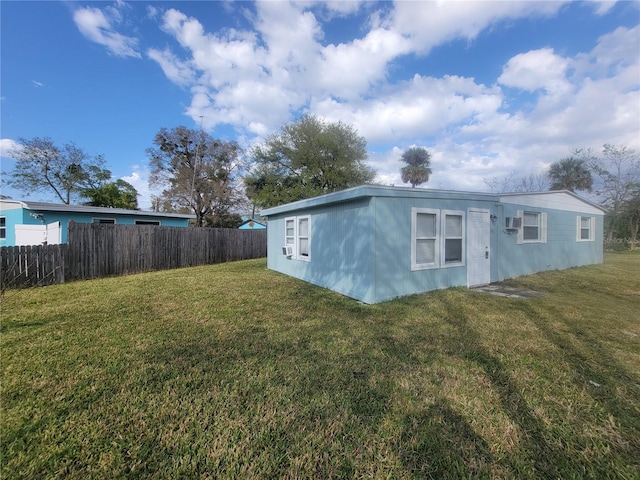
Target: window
x,y
531,226
290,231
147,222
103,220
534,227
304,240
437,238
3,228
586,229
298,235
453,234
424,229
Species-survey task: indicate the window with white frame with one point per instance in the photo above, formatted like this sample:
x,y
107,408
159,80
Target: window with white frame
x,y
109,221
534,227
453,223
531,226
3,228
425,232
303,247
298,235
437,238
290,231
586,228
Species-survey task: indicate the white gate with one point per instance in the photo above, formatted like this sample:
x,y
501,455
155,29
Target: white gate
x,y
39,234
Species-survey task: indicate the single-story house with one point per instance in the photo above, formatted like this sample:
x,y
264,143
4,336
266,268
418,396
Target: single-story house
x,y
35,223
375,243
252,224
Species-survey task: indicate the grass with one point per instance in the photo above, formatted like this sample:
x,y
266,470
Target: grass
x,y
234,371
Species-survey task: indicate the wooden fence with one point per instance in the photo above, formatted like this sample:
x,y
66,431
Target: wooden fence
x,y
102,250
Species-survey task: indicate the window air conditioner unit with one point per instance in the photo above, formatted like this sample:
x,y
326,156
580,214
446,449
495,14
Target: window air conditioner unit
x,y
512,223
287,250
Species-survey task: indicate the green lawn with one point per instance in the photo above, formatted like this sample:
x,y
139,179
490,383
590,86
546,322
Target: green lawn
x,y
234,371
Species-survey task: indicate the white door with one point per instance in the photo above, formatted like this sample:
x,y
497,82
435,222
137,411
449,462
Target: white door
x,y
478,247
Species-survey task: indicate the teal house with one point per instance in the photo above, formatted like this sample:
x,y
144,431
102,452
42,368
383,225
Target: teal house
x,y
375,243
252,224
37,223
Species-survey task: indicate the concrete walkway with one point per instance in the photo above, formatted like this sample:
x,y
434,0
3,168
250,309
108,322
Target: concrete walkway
x,y
511,292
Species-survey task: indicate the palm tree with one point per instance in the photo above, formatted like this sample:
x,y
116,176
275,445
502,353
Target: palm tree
x,y
418,169
570,174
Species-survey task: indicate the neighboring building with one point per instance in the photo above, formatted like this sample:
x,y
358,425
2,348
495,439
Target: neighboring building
x,y
252,224
34,223
376,243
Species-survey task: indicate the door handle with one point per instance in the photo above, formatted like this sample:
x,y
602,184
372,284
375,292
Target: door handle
x,y
486,254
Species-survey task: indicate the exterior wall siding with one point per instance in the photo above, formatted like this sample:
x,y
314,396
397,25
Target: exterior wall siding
x,y
361,239
393,274
561,251
341,249
22,216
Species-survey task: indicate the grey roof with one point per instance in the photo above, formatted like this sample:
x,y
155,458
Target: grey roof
x,y
408,192
61,207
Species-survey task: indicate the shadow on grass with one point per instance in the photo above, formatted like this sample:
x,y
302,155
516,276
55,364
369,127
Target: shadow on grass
x,y
599,374
439,443
543,457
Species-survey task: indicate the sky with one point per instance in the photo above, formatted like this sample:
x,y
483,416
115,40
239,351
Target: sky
x,y
491,89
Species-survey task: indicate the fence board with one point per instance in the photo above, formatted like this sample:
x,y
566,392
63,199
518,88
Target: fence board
x,y
100,250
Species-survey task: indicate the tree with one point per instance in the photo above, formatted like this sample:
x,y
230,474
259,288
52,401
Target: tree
x,y
630,213
66,170
570,174
197,174
418,169
618,178
513,183
118,194
307,158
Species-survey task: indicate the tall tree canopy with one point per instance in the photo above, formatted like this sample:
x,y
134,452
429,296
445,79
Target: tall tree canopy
x,y
418,166
305,159
66,171
117,194
197,174
570,174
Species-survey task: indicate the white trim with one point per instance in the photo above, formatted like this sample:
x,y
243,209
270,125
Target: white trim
x,y
564,201
299,255
294,240
520,237
591,227
290,239
414,239
542,227
462,238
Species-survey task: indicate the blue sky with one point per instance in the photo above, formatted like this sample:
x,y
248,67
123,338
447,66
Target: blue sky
x,y
491,88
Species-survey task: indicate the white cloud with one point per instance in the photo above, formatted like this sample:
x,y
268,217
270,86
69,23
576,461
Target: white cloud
x,y
97,26
603,6
543,104
179,72
37,84
139,178
7,146
537,69
433,23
